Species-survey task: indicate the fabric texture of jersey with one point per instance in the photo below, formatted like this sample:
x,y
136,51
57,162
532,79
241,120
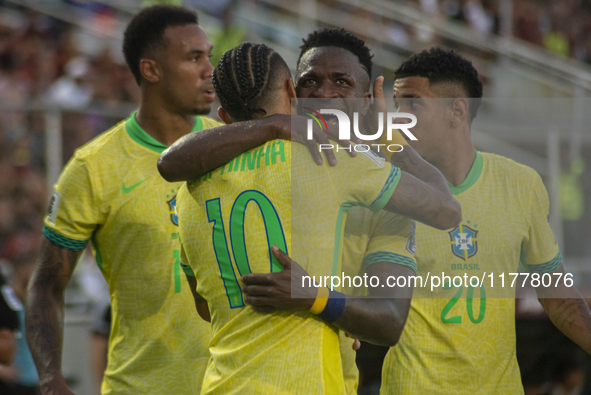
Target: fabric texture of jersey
x,y
112,194
273,194
461,340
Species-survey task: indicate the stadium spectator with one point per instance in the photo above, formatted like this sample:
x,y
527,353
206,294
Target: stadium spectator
x,y
21,377
8,324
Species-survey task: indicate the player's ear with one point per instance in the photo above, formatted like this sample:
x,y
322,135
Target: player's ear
x,y
224,116
459,112
149,70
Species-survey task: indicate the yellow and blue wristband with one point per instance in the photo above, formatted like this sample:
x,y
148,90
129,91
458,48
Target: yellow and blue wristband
x,y
329,305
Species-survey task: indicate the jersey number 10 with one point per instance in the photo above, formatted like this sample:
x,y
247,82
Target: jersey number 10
x,y
273,230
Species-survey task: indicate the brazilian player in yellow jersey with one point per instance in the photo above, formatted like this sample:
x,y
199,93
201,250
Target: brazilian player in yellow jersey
x,y
462,340
111,194
333,63
251,352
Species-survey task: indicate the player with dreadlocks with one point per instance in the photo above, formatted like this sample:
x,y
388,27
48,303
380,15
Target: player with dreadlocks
x,y
252,352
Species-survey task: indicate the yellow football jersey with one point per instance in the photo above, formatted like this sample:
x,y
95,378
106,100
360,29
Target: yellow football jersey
x,y
462,341
230,218
370,238
112,194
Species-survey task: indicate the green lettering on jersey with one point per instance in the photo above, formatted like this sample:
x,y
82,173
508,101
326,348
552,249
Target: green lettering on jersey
x,y
248,159
220,246
272,227
273,230
265,155
237,163
280,152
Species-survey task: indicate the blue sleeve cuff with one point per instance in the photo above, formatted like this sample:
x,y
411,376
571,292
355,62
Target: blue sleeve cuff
x,y
383,256
64,242
187,269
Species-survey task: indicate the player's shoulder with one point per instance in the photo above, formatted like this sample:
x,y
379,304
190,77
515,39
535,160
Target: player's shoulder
x,y
509,169
101,143
210,122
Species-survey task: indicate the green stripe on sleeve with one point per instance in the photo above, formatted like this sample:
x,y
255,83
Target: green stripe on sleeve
x,y
387,190
384,256
64,242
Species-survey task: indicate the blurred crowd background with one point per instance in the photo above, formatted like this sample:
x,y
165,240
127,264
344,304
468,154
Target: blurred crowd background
x,y
63,57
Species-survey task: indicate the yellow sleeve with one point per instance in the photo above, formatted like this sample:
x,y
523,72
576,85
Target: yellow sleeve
x,y
393,240
75,209
209,123
366,180
539,250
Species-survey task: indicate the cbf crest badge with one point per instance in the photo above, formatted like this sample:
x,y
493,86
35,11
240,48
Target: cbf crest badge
x,y
172,207
464,243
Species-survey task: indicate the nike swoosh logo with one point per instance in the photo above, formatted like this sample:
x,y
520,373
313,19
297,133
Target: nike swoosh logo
x,y
126,190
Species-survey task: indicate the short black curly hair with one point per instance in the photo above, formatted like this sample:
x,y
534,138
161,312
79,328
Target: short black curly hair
x,y
333,37
439,65
146,30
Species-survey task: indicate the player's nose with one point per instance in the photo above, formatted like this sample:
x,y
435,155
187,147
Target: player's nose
x,y
208,70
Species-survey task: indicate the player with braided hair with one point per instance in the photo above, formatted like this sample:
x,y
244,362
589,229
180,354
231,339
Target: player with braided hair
x,y
248,83
252,352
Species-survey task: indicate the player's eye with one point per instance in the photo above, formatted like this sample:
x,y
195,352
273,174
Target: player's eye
x,y
342,81
413,104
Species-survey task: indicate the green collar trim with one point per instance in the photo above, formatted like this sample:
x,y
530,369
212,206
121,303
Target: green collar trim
x,y
141,137
471,178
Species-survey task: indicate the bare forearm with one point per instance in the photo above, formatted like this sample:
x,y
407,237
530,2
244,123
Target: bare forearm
x,y
411,162
573,317
379,319
198,153
44,328
376,321
44,317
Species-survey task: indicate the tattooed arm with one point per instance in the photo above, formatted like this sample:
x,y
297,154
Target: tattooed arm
x,y
568,311
44,315
422,192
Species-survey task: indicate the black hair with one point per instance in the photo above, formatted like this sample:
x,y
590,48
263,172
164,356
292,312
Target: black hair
x,y
439,65
243,77
333,37
146,30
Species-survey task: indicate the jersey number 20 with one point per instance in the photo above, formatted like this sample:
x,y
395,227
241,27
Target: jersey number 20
x,y
274,235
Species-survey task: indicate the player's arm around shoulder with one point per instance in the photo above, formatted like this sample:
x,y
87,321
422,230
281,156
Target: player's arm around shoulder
x,y
378,320
422,192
